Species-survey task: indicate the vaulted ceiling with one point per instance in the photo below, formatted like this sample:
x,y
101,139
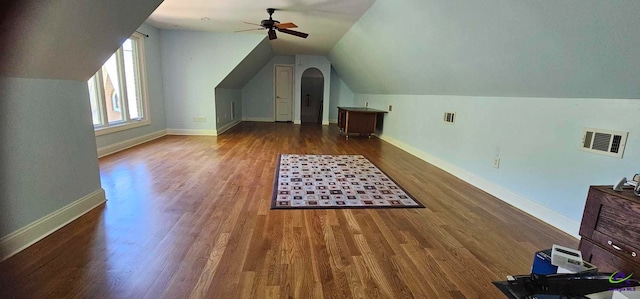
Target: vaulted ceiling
x,y
547,48
65,39
326,21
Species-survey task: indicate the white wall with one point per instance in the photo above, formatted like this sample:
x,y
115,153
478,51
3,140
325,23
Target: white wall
x,y
542,169
193,64
303,62
48,151
154,87
341,96
257,94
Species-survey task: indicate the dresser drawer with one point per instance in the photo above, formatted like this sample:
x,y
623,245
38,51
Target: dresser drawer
x,y
616,246
605,260
610,216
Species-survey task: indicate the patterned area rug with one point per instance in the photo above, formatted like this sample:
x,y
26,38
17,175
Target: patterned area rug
x,y
335,181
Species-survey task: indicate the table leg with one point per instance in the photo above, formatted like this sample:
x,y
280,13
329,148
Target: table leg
x,y
346,124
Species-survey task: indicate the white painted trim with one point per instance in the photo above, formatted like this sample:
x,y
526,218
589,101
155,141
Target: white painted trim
x,y
333,121
37,230
527,205
259,119
227,127
297,122
129,143
121,127
192,132
325,122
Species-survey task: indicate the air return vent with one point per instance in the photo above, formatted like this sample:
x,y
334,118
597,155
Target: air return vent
x,y
449,117
605,142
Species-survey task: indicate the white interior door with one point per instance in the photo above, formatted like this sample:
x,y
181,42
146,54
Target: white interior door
x,y
284,93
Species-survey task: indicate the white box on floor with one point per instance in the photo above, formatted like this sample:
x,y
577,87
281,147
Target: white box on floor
x,y
568,258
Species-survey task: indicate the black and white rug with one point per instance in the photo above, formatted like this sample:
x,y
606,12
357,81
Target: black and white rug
x,y
335,181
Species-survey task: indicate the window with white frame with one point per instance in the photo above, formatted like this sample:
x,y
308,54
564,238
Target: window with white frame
x,y
118,90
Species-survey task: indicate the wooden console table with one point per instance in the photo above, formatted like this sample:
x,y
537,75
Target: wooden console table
x,y
358,120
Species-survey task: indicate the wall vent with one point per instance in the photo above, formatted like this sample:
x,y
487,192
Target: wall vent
x,y
449,117
605,142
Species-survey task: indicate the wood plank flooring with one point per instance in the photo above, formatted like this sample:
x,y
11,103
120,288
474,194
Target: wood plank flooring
x,y
189,217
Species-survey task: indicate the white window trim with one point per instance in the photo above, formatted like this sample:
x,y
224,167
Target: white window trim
x,y
121,127
144,93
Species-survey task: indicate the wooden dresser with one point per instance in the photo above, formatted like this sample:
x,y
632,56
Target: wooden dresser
x,y
610,230
358,120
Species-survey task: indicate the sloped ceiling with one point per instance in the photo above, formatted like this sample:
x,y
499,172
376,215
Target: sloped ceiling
x,y
249,66
326,21
546,48
66,39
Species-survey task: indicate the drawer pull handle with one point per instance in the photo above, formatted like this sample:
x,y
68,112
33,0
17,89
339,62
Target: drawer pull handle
x,y
618,248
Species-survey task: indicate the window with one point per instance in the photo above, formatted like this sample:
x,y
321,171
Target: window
x,y
118,92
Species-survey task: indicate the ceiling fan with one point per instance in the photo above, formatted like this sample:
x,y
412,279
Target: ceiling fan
x,y
272,25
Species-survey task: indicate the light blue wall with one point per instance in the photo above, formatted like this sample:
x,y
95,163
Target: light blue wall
x,y
224,98
48,151
249,66
257,94
524,77
341,96
537,139
154,88
304,62
555,49
193,64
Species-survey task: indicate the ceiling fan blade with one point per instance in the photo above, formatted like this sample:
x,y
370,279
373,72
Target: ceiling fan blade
x,y
286,25
296,33
272,34
252,23
249,30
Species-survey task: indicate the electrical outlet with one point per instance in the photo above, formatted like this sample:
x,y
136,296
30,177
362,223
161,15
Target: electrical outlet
x,y
496,162
218,119
390,108
366,104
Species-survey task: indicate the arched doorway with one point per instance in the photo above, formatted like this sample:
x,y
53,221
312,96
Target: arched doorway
x,y
311,95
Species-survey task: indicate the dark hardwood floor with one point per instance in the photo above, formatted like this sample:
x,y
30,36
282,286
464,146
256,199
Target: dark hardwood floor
x,y
189,217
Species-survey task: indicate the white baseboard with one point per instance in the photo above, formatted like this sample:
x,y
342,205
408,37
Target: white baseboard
x,y
297,122
259,119
527,205
227,127
120,146
333,121
325,122
37,230
192,132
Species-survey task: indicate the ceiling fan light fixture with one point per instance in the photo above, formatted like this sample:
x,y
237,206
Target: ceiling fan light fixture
x,y
272,25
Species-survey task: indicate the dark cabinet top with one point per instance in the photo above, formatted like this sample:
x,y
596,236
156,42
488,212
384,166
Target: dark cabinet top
x,y
627,193
362,109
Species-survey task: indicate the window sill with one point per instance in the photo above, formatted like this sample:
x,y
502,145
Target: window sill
x,y
121,127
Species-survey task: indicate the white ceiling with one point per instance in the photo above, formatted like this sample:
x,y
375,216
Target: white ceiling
x,y
326,21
